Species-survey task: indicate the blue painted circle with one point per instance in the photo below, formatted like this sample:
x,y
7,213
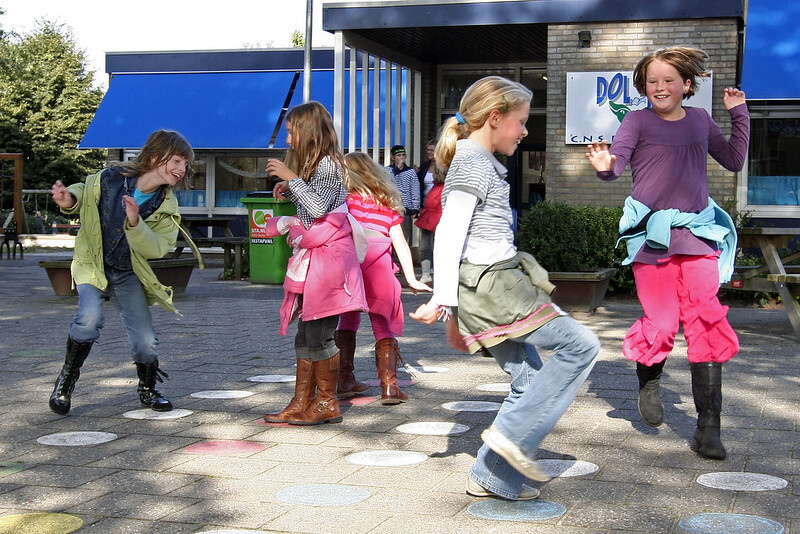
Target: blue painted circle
x,y
322,495
730,524
502,510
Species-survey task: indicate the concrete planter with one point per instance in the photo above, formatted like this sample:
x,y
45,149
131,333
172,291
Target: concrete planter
x,y
170,272
581,291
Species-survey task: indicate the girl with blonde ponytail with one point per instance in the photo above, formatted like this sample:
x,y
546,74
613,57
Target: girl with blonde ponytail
x,y
496,299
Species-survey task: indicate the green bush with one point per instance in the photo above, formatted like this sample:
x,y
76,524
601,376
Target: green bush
x,y
569,238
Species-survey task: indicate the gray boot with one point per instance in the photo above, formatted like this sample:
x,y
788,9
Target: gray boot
x,y
707,392
650,406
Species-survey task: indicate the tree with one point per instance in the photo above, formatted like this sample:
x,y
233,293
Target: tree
x,y
47,101
298,39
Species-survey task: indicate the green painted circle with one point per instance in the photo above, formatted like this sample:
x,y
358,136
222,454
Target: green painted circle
x,y
258,217
35,352
39,523
9,468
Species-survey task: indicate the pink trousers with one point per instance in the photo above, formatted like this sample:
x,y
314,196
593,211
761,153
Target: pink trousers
x,y
680,290
352,320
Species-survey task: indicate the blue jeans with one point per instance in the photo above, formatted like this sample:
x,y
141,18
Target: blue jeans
x,y
540,394
129,299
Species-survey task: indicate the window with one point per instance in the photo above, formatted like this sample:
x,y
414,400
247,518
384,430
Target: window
x,y
771,187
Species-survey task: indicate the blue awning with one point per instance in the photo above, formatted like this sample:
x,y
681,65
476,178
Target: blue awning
x,y
771,65
227,110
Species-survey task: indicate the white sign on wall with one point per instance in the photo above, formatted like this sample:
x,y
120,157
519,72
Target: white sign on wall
x,y
598,101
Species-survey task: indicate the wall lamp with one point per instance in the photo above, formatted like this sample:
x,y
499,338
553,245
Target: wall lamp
x,y
584,39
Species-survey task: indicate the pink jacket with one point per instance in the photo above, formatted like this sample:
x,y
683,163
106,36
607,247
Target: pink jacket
x,y
381,285
332,283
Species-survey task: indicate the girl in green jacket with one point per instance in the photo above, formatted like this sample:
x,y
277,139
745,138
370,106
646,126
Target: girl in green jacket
x,y
128,215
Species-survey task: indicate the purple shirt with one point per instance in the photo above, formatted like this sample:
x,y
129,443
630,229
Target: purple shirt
x,y
669,166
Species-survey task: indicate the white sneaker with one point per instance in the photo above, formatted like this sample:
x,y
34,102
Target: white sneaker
x,y
513,455
476,490
426,279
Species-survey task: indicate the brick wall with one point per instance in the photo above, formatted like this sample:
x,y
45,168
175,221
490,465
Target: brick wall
x,y
618,46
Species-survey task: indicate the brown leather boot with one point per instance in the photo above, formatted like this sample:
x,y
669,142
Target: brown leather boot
x,y
386,355
303,394
348,385
325,408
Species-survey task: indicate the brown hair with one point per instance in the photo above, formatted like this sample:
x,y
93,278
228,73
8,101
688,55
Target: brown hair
x,y
688,61
481,98
157,150
370,180
313,138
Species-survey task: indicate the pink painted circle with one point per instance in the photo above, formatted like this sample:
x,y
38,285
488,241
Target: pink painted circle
x,y
225,447
357,401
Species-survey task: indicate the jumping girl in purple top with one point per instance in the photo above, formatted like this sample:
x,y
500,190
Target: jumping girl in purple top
x,y
677,279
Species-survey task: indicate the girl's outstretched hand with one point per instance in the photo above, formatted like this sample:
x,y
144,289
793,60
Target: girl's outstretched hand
x,y
278,169
733,97
416,285
61,195
427,313
600,158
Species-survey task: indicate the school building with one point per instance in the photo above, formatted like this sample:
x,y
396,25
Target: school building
x,y
418,57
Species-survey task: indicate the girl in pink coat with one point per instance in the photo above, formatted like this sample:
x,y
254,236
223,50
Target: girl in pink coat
x,y
323,278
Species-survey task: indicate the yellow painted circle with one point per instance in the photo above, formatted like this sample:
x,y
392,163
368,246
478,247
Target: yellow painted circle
x,y
39,523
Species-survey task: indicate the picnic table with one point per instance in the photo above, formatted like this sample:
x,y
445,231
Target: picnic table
x,y
780,277
232,246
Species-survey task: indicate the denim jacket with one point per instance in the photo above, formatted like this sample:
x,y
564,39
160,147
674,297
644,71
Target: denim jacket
x,y
150,240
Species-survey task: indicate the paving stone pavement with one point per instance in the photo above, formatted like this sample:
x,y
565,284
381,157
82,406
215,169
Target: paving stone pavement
x,y
150,480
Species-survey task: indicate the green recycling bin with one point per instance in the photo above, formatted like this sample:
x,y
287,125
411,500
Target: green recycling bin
x,y
268,255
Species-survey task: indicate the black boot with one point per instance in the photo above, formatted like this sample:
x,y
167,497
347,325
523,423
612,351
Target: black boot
x,y
149,396
650,407
61,398
707,392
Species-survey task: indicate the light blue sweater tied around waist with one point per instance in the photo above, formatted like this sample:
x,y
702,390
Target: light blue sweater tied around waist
x,y
713,223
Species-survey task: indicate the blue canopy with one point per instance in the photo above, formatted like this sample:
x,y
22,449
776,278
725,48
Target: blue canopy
x,y
222,110
771,66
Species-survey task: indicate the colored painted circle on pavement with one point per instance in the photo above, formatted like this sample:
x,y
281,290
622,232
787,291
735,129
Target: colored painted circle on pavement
x,y
471,406
323,495
35,352
409,369
271,379
433,428
39,523
221,394
223,447
386,458
567,468
147,413
739,481
500,387
9,468
503,510
76,439
718,523
357,401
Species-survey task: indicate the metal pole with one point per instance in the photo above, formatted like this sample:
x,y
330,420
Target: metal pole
x,y
307,62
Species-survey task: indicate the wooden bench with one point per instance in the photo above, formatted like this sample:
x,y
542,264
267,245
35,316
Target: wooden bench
x,y
232,250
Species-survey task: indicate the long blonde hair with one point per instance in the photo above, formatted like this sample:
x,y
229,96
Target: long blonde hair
x,y
370,180
313,138
484,96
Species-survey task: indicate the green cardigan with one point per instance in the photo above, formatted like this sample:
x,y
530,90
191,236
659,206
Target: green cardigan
x,y
151,240
502,301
